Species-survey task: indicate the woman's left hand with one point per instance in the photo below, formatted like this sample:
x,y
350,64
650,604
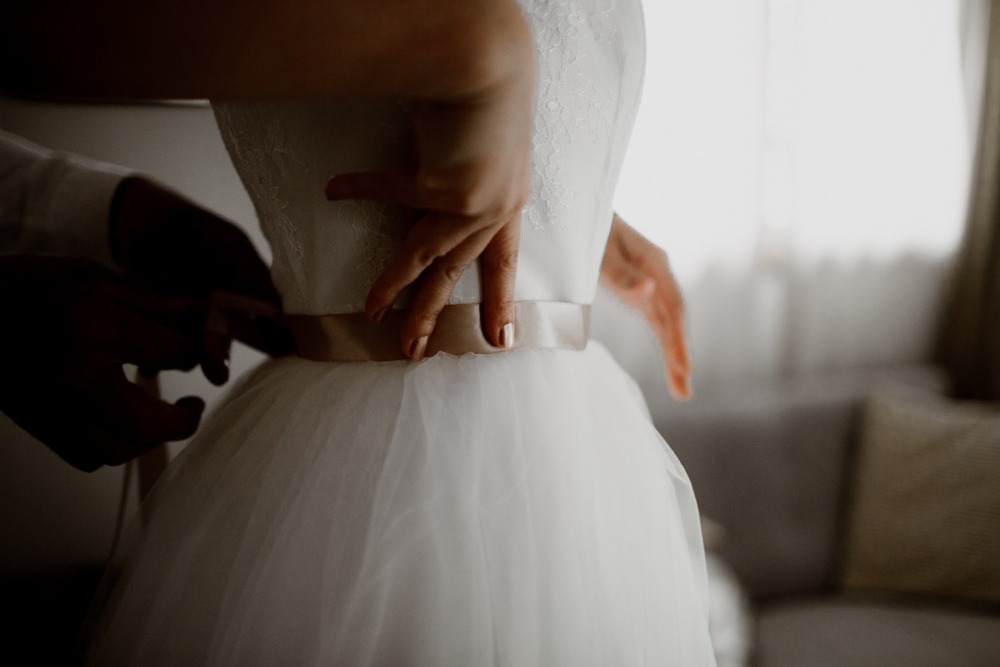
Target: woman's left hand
x,y
638,273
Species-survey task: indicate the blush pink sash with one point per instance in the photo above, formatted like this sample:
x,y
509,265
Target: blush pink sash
x,y
353,337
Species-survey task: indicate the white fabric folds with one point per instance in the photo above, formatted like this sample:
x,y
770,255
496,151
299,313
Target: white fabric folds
x,y
510,509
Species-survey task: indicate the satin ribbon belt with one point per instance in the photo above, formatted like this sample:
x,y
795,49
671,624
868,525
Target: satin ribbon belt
x,y
353,337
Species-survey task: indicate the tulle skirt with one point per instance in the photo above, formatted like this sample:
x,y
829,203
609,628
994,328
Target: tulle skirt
x,y
510,509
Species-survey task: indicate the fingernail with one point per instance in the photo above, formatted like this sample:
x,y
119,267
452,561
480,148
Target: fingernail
x,y
380,315
507,336
418,348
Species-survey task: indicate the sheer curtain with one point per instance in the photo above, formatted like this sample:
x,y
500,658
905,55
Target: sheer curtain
x,y
971,329
806,165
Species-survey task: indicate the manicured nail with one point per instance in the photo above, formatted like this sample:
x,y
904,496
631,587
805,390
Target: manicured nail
x,y
507,336
418,348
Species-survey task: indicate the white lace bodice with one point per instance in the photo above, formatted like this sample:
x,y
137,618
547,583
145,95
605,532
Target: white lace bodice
x,y
326,254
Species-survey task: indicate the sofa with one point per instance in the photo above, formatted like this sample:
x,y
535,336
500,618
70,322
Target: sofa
x,y
852,518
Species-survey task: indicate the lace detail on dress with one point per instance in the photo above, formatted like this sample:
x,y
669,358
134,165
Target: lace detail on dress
x,y
570,101
377,232
258,143
375,236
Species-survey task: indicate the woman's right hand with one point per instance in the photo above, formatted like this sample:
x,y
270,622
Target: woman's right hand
x,y
468,184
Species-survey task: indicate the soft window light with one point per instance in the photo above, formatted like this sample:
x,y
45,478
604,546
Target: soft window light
x,y
825,129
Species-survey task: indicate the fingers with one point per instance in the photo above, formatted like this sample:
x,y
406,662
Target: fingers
x,y
250,320
433,236
151,345
125,420
135,422
660,302
673,317
154,421
675,349
679,370
122,423
73,325
471,174
434,292
498,269
639,273
117,448
140,299
196,336
434,239
215,360
92,448
181,248
497,252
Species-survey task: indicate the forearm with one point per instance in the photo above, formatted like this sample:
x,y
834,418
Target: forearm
x,y
53,203
252,48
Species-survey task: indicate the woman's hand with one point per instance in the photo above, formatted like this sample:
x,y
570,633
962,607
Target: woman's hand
x,y
638,272
469,182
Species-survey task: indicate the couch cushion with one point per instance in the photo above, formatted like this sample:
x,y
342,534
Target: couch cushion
x,y
839,631
925,515
767,463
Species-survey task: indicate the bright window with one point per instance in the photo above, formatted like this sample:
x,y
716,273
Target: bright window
x,y
797,130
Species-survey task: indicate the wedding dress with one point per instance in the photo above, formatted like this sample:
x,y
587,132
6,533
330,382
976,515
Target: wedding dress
x,y
516,508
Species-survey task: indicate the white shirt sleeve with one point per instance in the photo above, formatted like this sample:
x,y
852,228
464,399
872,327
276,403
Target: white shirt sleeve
x,y
54,203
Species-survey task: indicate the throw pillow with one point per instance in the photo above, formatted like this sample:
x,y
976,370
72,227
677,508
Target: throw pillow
x,y
925,516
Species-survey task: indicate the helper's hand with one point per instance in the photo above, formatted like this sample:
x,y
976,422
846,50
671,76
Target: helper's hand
x,y
469,182
180,249
638,272
69,326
